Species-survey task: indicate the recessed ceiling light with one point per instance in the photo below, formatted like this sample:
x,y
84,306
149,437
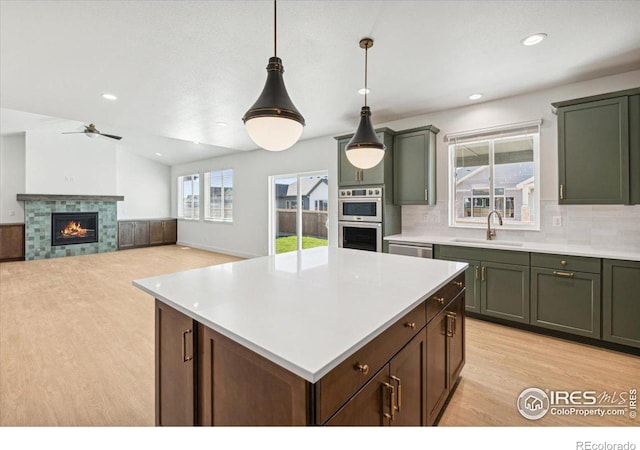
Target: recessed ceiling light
x,y
222,124
475,96
158,154
196,142
533,39
364,91
109,96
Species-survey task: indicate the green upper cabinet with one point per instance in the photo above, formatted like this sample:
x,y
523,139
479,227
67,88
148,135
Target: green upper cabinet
x,y
599,149
414,166
349,175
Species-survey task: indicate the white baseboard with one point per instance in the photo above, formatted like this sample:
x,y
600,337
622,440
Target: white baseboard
x,y
225,251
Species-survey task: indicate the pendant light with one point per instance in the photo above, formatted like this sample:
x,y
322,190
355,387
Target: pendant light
x,y
365,150
273,122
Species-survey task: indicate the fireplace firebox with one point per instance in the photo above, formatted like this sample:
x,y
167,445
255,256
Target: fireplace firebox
x,y
74,228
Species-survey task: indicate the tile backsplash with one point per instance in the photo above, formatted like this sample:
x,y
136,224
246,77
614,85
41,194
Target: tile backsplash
x,y
599,226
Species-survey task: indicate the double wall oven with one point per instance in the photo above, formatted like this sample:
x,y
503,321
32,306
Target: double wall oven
x,y
360,218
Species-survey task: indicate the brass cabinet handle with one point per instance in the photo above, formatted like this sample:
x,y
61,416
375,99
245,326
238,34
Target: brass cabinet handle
x,y
411,325
364,368
439,300
449,326
426,194
562,192
563,262
458,283
453,316
475,272
484,273
392,400
185,358
399,396
564,274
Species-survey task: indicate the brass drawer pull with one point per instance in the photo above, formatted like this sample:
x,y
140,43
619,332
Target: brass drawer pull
x,y
563,262
411,325
185,358
484,273
364,368
399,396
476,270
392,401
439,300
564,274
458,283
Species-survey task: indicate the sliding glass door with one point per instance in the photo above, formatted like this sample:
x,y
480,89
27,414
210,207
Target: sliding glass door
x,y
299,212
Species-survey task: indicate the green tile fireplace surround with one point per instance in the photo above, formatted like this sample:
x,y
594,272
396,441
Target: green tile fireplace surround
x,y
37,217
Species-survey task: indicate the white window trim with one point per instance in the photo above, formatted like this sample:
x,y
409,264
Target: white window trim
x,y
482,135
270,203
180,196
206,200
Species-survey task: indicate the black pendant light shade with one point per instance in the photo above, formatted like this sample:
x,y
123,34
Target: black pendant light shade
x,y
273,122
365,150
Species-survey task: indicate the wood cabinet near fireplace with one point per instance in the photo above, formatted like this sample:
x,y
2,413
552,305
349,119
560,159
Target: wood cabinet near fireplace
x,y
11,242
143,233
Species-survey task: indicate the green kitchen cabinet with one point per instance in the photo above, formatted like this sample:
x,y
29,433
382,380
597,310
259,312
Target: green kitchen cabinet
x,y
505,291
349,175
414,166
498,280
565,293
599,149
621,302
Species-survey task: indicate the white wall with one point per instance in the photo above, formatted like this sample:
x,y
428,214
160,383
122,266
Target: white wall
x,y
12,177
69,164
145,185
248,234
45,162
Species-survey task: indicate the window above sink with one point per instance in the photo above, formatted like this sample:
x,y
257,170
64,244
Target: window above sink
x,y
495,169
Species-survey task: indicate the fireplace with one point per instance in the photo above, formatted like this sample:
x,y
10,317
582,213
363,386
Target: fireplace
x,y
74,228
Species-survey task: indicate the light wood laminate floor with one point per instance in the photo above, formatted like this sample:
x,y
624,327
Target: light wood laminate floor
x,y
77,348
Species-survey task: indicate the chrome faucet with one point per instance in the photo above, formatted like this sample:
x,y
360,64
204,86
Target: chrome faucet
x,y
492,232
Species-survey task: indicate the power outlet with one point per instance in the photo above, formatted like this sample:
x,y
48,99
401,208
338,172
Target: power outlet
x,y
12,213
557,221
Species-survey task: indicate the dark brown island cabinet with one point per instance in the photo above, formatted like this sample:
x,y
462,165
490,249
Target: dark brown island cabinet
x,y
143,233
404,376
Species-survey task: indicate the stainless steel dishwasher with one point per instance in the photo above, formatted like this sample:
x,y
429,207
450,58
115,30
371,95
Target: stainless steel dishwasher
x,y
411,249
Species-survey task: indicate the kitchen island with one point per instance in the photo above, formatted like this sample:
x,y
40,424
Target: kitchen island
x,y
320,336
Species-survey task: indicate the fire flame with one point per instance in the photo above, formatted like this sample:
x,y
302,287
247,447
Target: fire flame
x,y
73,229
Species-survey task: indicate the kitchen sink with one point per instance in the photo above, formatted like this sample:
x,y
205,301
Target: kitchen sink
x,y
487,242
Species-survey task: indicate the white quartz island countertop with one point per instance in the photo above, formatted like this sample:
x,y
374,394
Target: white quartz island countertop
x,y
306,311
520,246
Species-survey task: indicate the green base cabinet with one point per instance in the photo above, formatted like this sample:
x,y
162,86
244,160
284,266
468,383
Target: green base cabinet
x,y
621,302
566,301
414,166
565,293
505,291
599,149
497,281
350,175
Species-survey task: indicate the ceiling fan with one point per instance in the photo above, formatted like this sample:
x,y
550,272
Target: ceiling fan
x,y
91,131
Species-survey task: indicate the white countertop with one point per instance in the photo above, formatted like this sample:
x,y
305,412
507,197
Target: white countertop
x,y
306,311
504,244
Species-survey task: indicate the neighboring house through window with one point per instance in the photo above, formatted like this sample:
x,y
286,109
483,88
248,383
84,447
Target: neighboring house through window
x,y
189,196
218,195
495,169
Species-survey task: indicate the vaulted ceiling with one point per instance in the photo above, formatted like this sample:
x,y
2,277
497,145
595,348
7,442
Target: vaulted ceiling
x,y
178,67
